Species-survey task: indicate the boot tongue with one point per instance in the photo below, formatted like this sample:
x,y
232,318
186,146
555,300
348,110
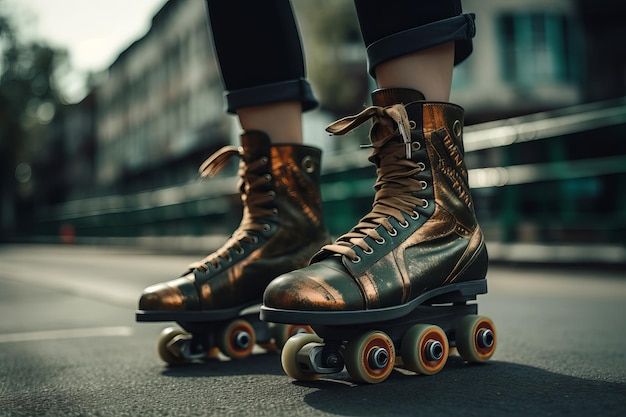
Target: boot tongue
x,y
255,144
386,97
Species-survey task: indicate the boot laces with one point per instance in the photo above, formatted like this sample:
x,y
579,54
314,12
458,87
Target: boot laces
x,y
253,184
396,183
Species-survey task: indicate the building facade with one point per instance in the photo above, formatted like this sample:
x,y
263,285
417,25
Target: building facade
x,y
527,58
161,101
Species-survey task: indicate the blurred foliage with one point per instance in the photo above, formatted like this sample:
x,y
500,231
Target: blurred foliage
x,y
28,101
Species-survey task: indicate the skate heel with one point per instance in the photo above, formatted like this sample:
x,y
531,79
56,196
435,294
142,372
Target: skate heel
x,y
454,293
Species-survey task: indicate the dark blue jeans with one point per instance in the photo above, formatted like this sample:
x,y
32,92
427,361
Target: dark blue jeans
x,y
260,55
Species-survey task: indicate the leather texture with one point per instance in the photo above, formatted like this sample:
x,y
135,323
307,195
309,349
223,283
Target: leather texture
x,y
281,228
422,232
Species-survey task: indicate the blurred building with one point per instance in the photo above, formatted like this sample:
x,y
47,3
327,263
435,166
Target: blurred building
x,y
68,155
159,113
527,58
547,168
161,104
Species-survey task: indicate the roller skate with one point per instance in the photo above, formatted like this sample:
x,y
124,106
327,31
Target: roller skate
x,y
216,301
399,288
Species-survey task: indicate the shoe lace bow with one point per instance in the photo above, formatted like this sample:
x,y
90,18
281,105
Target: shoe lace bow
x,y
396,184
253,183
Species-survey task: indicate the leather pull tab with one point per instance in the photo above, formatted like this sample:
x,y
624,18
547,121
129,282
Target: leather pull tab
x,y
349,123
214,163
399,115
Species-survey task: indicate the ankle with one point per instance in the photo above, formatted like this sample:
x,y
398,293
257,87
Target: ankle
x,y
281,121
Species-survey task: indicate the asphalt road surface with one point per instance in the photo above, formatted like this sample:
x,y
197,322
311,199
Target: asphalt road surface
x,y
69,346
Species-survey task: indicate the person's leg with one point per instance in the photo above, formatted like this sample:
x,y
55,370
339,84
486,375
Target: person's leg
x,y
281,121
428,71
422,233
415,46
262,68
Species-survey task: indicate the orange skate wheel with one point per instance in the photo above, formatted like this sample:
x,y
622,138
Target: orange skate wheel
x,y
295,366
282,332
370,357
476,338
236,339
425,349
169,346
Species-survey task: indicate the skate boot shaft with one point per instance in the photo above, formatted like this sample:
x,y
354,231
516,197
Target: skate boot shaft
x,y
281,228
421,235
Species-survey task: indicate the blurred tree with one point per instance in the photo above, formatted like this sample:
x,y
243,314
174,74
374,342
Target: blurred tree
x,y
28,102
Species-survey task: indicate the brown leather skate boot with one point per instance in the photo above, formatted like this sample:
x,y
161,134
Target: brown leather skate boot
x,y
421,238
281,228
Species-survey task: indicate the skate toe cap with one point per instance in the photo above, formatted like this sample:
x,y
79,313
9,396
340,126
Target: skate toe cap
x,y
314,288
177,295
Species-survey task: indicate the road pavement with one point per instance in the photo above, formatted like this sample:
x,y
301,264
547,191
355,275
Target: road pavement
x,y
69,346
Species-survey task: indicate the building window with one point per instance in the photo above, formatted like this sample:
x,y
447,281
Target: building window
x,y
537,48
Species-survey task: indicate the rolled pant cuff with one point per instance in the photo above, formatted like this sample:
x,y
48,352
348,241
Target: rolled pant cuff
x,y
460,29
292,90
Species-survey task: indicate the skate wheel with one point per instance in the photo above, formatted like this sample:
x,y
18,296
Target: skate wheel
x,y
425,349
370,357
293,367
236,339
282,332
476,338
169,345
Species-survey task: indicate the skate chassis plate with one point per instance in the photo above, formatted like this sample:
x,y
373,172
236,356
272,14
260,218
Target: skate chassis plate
x,y
453,293
195,316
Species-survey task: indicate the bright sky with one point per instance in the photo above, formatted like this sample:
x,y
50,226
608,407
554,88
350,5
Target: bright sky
x,y
93,31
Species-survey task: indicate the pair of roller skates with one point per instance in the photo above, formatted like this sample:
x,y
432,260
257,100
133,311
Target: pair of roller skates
x,y
396,290
368,344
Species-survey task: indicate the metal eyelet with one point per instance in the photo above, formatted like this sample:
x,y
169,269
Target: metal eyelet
x,y
457,128
412,124
271,193
380,241
356,260
416,146
240,251
268,177
421,166
308,164
368,251
404,224
424,185
264,160
255,239
426,204
275,210
392,232
415,215
267,227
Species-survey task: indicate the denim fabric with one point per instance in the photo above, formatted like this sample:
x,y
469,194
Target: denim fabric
x,y
291,90
460,29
